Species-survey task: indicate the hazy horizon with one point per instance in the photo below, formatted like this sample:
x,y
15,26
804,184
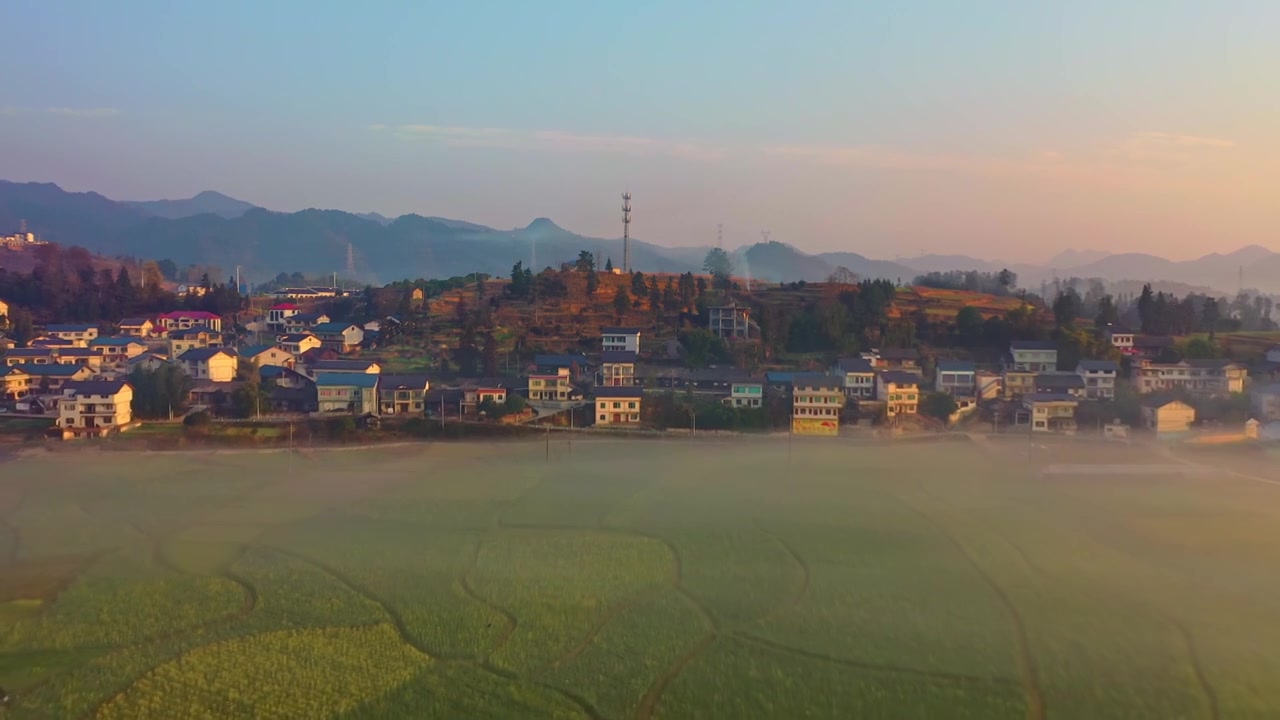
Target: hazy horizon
x,y
1008,132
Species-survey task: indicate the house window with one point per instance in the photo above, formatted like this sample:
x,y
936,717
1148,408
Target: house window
x,y
617,406
602,417
631,406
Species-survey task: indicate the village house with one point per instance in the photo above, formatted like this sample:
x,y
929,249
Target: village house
x,y
182,340
618,368
894,359
188,319
403,394
1017,383
1032,355
116,351
477,390
339,336
1198,377
1060,383
95,407
620,338
550,386
15,384
1051,412
618,405
816,402
747,393
137,327
265,355
149,362
859,377
1150,347
278,313
88,357
956,377
49,341
298,343
4,309
730,322
900,391
284,377
578,365
305,322
355,393
51,378
1266,401
30,356
213,364
370,367
215,397
1168,418
1099,378
1120,338
987,385
713,380
78,335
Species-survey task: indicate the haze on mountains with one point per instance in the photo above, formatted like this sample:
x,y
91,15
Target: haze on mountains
x,y
214,229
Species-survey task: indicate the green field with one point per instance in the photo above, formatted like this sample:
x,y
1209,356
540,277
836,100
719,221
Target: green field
x,y
640,579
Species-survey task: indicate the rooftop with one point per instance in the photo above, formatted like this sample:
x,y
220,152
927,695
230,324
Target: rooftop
x,y
957,366
1098,366
96,387
1059,381
854,365
203,354
618,356
364,381
295,337
70,327
192,314
114,341
307,317
332,327
404,382
1048,397
30,353
1032,345
817,380
620,331
618,392
193,330
134,322
252,350
50,370
284,306
340,365
900,377
899,354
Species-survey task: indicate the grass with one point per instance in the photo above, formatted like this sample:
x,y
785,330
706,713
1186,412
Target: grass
x,y
640,580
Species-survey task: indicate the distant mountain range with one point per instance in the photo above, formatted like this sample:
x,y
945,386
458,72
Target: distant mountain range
x,y
214,229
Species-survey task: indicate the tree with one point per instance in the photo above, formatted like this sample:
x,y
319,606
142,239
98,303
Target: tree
x,y
1108,314
1146,307
489,355
1066,308
720,266
969,325
608,265
670,300
593,282
638,286
1007,279
621,302
843,276
515,404
586,262
938,405
688,289
169,269
702,347
21,326
1201,349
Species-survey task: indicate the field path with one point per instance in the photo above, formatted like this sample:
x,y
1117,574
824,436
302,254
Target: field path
x,y
464,581
805,574
653,695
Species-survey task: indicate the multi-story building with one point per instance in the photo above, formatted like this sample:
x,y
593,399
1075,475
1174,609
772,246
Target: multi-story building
x,y
620,338
1051,412
88,357
50,378
899,390
78,335
277,315
1120,338
956,377
117,351
1151,347
188,319
578,365
31,356
1060,383
550,386
305,322
618,405
894,359
193,338
1032,355
1198,377
355,393
95,407
730,322
213,364
403,394
816,402
1099,378
1017,383
858,377
339,336
371,367
746,394
618,368
297,343
137,327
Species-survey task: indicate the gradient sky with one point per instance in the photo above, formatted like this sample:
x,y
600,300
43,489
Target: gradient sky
x,y
1004,130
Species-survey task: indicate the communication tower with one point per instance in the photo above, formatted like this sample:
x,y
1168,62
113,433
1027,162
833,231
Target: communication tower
x,y
626,232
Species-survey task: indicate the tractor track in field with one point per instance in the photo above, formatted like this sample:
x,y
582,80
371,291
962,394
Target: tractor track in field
x,y
587,640
932,675
1027,668
397,620
1197,667
806,575
464,581
583,704
653,696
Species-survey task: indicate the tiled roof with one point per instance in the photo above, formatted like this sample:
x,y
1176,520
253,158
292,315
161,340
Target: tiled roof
x,y
331,328
855,365
1032,345
50,370
202,354
403,382
618,392
1099,366
817,380
96,387
900,377
956,366
361,380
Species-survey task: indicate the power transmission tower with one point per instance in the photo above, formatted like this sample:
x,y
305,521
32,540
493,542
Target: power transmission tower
x,y
626,232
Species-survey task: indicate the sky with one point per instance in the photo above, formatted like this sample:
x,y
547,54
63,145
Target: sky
x,y
1004,130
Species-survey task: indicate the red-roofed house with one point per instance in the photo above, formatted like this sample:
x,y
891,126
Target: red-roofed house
x,y
277,315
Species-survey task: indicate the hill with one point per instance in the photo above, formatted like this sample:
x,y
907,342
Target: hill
x,y
207,202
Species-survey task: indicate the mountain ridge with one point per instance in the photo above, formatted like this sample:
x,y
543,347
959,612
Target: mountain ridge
x,y
265,242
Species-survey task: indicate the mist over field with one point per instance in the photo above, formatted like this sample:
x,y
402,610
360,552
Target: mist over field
x,y
634,579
